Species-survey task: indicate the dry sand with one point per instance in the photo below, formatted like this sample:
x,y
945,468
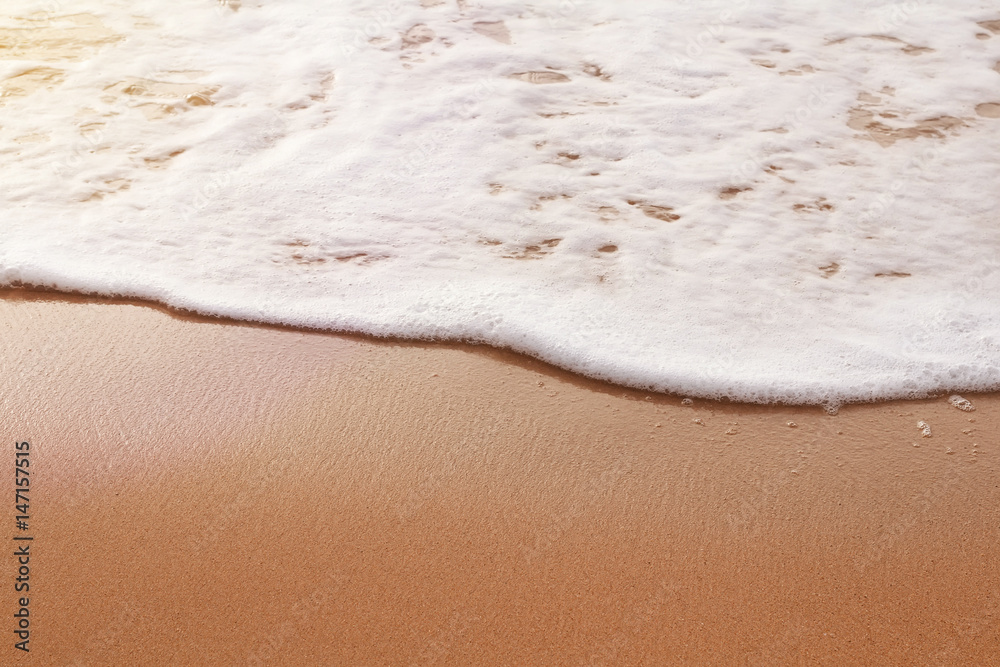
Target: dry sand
x,y
213,493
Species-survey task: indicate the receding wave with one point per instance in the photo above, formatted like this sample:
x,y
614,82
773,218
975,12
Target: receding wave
x,y
783,201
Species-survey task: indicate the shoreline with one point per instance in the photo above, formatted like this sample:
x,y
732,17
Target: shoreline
x,y
419,503
507,355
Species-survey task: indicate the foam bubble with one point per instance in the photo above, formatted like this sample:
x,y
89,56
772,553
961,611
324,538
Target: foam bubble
x,y
961,403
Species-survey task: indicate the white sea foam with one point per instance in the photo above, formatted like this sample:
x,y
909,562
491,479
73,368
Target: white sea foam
x,y
767,201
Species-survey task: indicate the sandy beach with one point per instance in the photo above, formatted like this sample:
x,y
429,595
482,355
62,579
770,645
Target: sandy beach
x,y
209,492
773,202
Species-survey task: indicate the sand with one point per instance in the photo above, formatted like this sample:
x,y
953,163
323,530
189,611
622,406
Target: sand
x,y
209,492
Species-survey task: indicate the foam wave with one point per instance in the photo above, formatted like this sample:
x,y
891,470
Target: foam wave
x,y
762,202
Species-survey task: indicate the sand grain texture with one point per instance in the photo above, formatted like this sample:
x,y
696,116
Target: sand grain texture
x,y
214,493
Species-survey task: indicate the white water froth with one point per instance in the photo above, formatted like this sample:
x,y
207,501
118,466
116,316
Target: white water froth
x,y
780,201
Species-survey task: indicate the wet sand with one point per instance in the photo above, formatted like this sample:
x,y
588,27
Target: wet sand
x,y
208,492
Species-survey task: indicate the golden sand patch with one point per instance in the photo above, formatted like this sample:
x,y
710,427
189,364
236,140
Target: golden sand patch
x,y
196,94
70,37
608,213
871,112
732,192
597,71
664,213
817,206
831,269
496,30
33,138
29,81
160,161
908,49
992,26
108,187
534,251
988,109
540,77
176,95
416,36
803,69
307,254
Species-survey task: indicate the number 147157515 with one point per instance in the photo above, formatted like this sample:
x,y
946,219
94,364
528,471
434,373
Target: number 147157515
x,y
22,480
